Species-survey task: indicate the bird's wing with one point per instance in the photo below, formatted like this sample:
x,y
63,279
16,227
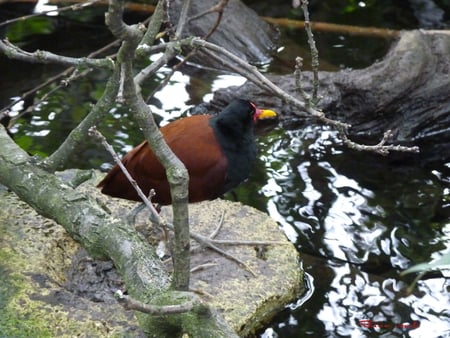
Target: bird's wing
x,y
196,146
193,141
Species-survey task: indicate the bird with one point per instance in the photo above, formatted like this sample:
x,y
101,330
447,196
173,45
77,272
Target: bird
x,y
218,152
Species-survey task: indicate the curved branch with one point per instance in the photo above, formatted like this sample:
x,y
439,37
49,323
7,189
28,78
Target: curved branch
x,y
130,303
39,56
77,136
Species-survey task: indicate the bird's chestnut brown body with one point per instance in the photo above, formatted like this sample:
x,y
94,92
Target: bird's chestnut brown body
x,y
218,152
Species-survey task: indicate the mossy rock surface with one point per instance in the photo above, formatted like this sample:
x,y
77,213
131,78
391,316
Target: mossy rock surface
x,y
50,287
246,301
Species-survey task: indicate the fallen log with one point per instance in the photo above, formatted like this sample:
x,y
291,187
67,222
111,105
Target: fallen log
x,y
408,92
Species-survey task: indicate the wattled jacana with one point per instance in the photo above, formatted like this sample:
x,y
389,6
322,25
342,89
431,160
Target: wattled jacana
x,y
218,152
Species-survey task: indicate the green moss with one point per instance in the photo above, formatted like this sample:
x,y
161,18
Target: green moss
x,y
34,257
16,321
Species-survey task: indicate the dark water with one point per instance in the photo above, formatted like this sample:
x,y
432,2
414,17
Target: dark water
x,y
357,219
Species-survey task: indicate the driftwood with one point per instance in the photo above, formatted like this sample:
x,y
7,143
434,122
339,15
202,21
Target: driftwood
x,y
407,92
241,31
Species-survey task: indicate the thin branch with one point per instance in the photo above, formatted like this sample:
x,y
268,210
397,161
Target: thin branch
x,y
298,80
132,304
166,80
152,68
31,92
208,243
64,82
39,56
154,215
74,7
314,52
183,19
203,267
338,28
232,242
379,148
219,226
154,25
77,136
218,8
257,76
235,68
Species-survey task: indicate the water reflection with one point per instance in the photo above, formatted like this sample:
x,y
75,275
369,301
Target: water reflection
x,y
358,221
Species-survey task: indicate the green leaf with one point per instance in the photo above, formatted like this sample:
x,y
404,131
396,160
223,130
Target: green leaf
x,y
442,263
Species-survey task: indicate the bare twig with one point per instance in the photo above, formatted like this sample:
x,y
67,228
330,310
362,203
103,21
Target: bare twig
x,y
132,304
76,137
166,80
153,26
183,18
314,52
245,69
208,243
218,8
74,7
235,68
298,80
379,148
248,242
203,267
155,217
66,77
219,226
40,56
152,68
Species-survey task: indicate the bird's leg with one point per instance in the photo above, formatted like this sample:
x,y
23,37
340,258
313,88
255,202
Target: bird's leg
x,y
163,236
131,216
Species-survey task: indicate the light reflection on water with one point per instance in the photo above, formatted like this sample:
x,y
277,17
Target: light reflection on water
x,y
357,225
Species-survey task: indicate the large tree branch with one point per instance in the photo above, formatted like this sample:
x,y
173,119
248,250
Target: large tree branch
x,y
177,174
78,135
105,236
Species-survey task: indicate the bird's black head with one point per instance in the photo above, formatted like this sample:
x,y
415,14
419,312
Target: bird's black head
x,y
236,118
233,129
